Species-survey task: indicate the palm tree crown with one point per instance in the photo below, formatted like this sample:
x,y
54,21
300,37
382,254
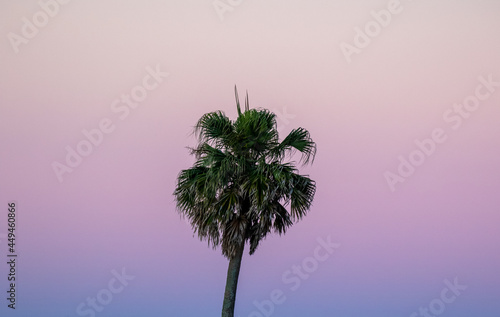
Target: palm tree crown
x,y
239,186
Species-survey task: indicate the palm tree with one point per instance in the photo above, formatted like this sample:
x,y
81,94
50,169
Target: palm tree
x,y
238,188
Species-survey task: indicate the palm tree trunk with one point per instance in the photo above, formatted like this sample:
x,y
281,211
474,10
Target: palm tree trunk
x,y
233,272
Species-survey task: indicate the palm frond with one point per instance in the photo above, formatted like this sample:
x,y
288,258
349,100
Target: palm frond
x,y
215,127
298,139
237,100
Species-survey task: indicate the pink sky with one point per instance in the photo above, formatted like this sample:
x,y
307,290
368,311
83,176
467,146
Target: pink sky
x,y
116,210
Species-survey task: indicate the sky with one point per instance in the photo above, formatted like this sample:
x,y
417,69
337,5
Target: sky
x,y
98,100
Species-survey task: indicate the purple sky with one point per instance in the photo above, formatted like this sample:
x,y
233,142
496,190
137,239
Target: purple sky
x,y
370,81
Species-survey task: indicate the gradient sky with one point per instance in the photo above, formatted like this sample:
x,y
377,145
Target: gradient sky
x,y
116,211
